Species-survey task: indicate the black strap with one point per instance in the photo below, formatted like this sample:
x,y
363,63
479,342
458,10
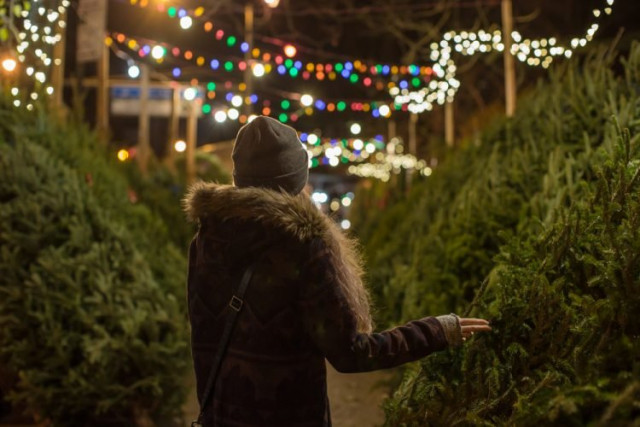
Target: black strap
x,y
235,304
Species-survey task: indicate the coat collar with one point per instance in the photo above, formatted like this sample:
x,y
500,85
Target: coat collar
x,y
295,215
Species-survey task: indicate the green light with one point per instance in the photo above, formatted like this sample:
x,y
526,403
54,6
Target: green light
x,y
172,12
283,117
285,104
228,66
293,72
341,106
339,67
211,86
288,63
206,108
344,159
412,69
231,40
314,162
397,107
378,68
353,78
415,81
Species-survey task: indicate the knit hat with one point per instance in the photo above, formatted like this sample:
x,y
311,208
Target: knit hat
x,y
269,154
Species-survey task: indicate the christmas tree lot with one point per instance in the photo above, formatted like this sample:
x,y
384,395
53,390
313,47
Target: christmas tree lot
x,y
535,227
93,327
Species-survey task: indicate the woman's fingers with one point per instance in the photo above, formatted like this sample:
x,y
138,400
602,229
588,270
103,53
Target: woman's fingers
x,y
471,325
471,321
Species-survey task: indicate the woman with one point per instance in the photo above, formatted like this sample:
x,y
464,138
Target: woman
x,y
305,301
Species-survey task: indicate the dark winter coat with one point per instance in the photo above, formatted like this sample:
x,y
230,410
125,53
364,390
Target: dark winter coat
x,y
295,313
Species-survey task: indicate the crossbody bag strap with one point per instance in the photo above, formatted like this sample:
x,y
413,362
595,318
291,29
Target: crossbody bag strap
x,y
236,303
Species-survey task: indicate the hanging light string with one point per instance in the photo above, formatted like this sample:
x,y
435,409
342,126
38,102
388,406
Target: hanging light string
x,y
307,102
533,52
442,84
391,161
37,33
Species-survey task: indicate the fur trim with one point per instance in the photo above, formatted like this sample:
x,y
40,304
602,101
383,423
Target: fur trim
x,y
295,215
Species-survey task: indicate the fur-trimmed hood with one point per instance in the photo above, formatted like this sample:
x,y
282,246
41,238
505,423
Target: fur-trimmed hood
x,y
296,216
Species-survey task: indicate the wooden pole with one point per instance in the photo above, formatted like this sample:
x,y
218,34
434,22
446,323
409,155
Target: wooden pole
x,y
144,146
102,99
57,72
192,135
413,139
248,37
509,62
449,124
391,129
174,122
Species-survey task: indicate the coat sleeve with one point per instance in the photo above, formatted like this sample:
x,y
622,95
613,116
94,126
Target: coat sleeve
x,y
332,326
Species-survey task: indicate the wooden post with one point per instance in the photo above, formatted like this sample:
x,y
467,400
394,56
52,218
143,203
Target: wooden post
x,y
413,139
391,129
449,137
509,62
144,146
174,122
102,98
248,37
192,136
57,71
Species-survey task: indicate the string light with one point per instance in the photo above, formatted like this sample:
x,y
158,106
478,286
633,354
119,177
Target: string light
x,y
133,71
180,146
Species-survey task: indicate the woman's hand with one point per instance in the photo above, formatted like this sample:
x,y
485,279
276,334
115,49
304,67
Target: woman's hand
x,y
469,326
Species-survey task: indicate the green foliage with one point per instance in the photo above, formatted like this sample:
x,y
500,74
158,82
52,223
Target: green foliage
x,y
537,230
92,314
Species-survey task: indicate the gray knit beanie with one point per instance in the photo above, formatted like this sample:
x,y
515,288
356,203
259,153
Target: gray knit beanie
x,y
269,154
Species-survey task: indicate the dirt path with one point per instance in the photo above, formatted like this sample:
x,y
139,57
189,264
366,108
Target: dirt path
x,y
355,398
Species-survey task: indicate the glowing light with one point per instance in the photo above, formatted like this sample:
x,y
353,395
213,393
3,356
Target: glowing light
x,y
180,146
186,22
384,110
233,114
251,118
9,64
313,139
258,70
220,116
320,197
272,3
190,94
346,201
345,224
133,71
290,50
236,101
157,52
123,155
306,100
355,129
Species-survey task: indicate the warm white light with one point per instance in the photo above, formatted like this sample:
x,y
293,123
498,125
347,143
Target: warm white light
x,y
355,128
123,155
306,100
320,197
272,3
9,64
258,70
358,144
346,201
157,52
251,118
384,110
345,224
290,50
180,146
134,71
236,101
186,22
233,114
220,116
312,139
190,94
334,161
